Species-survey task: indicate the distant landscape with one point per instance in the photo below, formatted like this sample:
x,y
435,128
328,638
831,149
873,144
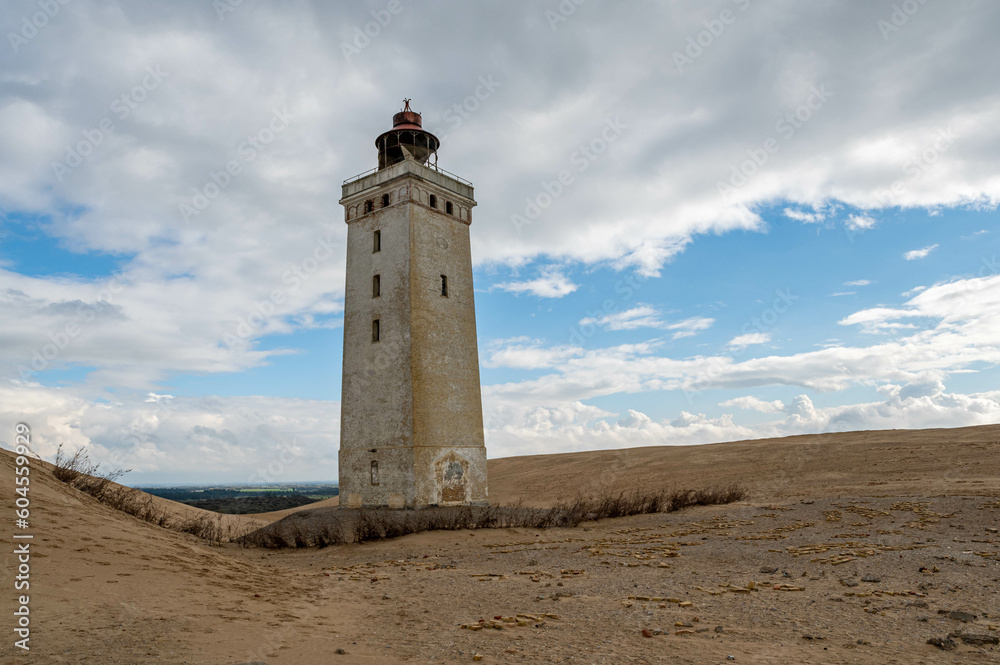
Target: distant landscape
x,y
246,499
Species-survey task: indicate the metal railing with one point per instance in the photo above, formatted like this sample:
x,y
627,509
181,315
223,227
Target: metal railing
x,y
433,167
360,175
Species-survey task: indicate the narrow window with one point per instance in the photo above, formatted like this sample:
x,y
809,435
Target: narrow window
x,y
377,246
376,286
369,206
374,472
375,331
434,201
444,285
448,208
385,200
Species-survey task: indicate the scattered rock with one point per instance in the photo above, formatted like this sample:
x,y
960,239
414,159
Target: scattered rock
x,y
964,617
849,583
340,652
657,631
730,657
976,640
813,637
646,632
945,644
477,656
871,578
720,629
767,570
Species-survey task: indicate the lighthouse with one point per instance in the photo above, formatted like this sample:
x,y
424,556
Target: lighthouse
x,y
411,426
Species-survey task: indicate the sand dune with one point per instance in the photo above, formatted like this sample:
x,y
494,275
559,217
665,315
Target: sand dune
x,y
932,461
107,588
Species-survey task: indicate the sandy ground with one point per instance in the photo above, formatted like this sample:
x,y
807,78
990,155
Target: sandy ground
x,y
852,548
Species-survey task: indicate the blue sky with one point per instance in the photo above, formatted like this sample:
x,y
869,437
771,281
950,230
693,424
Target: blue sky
x,y
754,241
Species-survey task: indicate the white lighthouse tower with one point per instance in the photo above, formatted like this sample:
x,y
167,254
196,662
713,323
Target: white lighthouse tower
x,y
411,427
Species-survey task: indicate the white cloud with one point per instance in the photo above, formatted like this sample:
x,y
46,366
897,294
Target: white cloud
x,y
859,282
754,404
551,284
163,438
843,293
743,341
802,216
958,332
525,428
524,353
641,316
920,253
690,327
189,126
860,222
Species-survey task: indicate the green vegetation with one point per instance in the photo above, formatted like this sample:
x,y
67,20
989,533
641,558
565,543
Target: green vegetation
x,y
188,494
253,504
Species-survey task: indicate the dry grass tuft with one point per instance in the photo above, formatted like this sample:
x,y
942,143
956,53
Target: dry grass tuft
x,y
78,471
332,526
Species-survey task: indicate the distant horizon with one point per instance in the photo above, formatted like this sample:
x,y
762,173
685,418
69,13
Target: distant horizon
x,y
332,483
202,484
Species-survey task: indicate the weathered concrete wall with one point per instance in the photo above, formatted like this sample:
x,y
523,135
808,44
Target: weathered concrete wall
x,y
376,402
447,406
413,397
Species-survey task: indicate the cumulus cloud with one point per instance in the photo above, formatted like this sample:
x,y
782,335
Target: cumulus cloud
x,y
640,316
803,216
552,283
754,404
525,353
860,222
181,439
690,327
919,253
743,341
957,328
574,426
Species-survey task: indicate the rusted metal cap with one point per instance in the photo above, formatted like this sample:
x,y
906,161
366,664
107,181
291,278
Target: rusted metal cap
x,y
407,118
